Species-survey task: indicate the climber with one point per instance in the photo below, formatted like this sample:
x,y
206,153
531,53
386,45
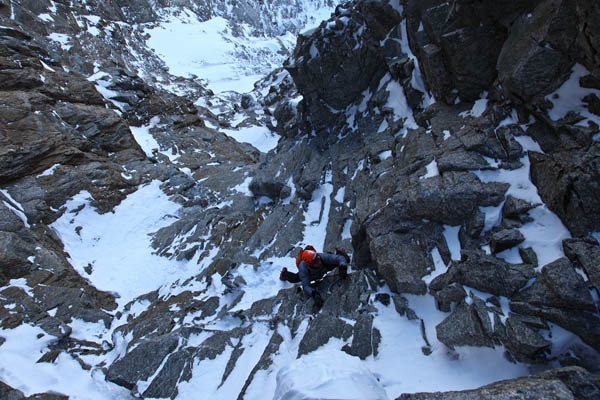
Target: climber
x,y
313,266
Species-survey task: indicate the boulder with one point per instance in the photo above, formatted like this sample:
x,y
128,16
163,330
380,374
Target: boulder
x,y
449,199
505,239
569,184
585,253
365,339
401,261
14,256
490,274
528,256
560,295
577,379
485,140
271,189
559,286
445,292
461,161
8,392
561,383
73,302
521,338
515,208
321,330
141,362
584,324
468,325
402,307
535,57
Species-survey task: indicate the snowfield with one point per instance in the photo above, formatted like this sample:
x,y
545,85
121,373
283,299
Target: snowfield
x,y
117,246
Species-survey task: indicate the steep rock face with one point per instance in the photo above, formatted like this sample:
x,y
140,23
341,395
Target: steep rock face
x,y
530,67
425,178
529,46
332,68
56,123
570,184
402,172
458,42
65,131
530,50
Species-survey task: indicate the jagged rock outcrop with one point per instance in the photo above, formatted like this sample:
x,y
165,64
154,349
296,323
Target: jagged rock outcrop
x,y
564,383
530,48
58,138
570,184
332,73
426,180
584,253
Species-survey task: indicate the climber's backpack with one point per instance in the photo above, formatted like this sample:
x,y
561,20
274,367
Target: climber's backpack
x,y
342,252
338,251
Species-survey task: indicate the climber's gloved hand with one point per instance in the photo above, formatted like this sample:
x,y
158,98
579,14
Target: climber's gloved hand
x,y
341,252
343,271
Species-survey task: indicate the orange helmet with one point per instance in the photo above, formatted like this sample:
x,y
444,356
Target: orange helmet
x,y
309,257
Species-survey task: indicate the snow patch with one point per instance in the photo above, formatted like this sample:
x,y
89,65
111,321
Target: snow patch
x,y
62,39
453,241
15,207
397,102
328,375
478,108
113,250
316,215
19,367
259,137
144,138
384,155
432,170
546,232
569,98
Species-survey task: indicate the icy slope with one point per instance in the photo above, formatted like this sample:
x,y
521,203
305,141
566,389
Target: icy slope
x,y
227,55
